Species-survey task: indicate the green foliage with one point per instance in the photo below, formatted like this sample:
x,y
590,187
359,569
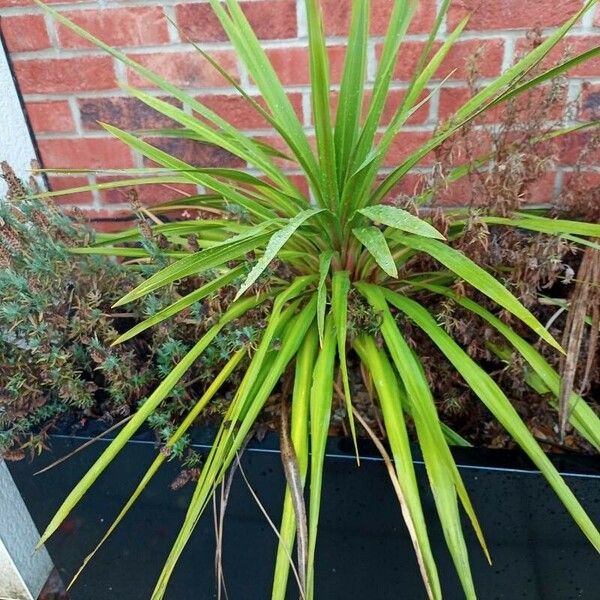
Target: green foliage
x,y
53,321
374,265
57,330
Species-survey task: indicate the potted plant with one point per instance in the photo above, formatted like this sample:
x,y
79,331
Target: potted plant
x,y
313,261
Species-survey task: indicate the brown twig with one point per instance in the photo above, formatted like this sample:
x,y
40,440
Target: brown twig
x,y
584,297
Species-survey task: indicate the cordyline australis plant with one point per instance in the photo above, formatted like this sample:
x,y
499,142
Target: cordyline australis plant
x,y
341,244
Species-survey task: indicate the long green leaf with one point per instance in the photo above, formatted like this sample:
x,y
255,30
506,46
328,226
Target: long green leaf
x,y
197,263
445,479
423,76
195,176
374,241
223,454
428,46
320,414
125,252
181,304
276,242
499,405
190,419
267,148
480,279
260,369
400,219
321,105
305,362
249,49
324,264
545,225
350,100
582,417
409,105
340,287
209,230
412,510
400,20
147,408
549,74
112,185
209,135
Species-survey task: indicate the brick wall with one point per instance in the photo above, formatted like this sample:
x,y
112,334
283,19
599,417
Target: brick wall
x,y
68,85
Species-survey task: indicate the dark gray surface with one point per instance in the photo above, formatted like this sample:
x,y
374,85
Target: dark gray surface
x,y
363,551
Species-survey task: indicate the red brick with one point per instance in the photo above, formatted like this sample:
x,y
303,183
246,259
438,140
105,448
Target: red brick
x,y
59,182
568,48
337,17
156,194
451,99
58,75
270,19
488,55
511,14
581,182
117,27
412,184
407,142
50,117
185,69
393,102
404,145
300,182
125,113
459,193
25,33
541,191
462,193
292,64
82,153
239,113
279,144
590,103
196,153
571,149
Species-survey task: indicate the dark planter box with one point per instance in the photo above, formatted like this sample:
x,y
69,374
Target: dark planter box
x,y
363,551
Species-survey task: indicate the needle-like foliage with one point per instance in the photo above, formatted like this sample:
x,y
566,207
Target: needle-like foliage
x,y
339,243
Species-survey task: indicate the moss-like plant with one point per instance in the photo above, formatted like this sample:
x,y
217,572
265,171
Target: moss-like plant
x,y
350,270
56,329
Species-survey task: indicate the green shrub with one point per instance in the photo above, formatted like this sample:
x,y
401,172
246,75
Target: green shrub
x,y
57,327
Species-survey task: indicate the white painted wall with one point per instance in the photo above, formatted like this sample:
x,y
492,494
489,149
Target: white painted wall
x,y
16,146
23,571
